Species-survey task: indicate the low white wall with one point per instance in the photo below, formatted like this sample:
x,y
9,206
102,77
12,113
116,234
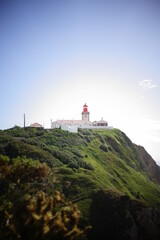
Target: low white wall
x,y
73,129
69,128
55,125
95,127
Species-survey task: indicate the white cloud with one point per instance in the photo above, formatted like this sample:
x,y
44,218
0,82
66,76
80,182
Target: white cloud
x,y
147,84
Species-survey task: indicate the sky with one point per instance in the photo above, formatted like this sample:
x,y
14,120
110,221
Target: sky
x,y
57,55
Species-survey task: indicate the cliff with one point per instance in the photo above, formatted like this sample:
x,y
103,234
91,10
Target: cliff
x,y
113,181
147,164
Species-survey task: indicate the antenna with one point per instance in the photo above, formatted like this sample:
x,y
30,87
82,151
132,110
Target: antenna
x,y
51,122
24,120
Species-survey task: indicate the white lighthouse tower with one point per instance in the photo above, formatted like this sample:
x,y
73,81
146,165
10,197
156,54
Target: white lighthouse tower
x,y
85,113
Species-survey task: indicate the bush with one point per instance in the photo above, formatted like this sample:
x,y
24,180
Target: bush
x,y
23,170
73,165
88,166
43,218
5,169
18,148
77,153
4,159
64,170
103,147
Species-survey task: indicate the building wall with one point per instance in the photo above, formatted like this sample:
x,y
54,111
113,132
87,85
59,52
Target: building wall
x,y
96,127
85,116
73,129
55,125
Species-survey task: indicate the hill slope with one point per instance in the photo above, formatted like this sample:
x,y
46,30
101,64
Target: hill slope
x,y
80,165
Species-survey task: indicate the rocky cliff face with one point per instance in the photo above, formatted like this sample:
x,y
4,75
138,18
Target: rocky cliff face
x,y
147,164
117,217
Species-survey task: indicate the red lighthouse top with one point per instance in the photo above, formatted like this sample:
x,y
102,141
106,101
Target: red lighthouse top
x,y
85,108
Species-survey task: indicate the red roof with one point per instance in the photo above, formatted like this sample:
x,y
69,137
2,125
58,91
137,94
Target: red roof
x,y
36,125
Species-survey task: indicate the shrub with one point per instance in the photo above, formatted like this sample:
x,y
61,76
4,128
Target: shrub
x,y
18,148
5,169
73,165
103,147
77,153
27,173
42,217
64,156
23,170
4,159
88,166
64,170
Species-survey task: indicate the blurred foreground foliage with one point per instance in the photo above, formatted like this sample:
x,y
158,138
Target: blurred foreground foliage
x,y
22,169
42,217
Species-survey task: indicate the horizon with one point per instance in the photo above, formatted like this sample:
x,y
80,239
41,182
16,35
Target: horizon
x,y
57,55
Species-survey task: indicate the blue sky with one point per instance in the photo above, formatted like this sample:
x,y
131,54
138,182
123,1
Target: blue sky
x,y
57,55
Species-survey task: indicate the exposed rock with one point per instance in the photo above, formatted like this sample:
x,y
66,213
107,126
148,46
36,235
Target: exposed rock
x,y
147,164
117,217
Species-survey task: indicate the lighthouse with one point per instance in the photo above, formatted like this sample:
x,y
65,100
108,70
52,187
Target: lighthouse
x,y
85,113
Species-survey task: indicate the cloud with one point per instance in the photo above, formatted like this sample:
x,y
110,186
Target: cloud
x,y
147,84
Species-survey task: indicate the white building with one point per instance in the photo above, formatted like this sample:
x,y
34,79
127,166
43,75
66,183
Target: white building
x,y
73,125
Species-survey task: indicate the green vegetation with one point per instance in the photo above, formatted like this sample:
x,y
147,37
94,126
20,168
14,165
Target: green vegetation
x,y
77,165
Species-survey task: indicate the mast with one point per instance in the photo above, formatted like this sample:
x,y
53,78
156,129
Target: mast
x,y
24,120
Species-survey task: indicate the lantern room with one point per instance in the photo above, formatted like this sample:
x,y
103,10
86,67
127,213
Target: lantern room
x,y
85,108
85,113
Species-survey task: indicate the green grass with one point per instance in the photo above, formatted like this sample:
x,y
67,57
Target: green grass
x,y
83,163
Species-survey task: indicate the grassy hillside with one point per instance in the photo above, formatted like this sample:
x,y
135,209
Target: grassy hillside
x,y
78,165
